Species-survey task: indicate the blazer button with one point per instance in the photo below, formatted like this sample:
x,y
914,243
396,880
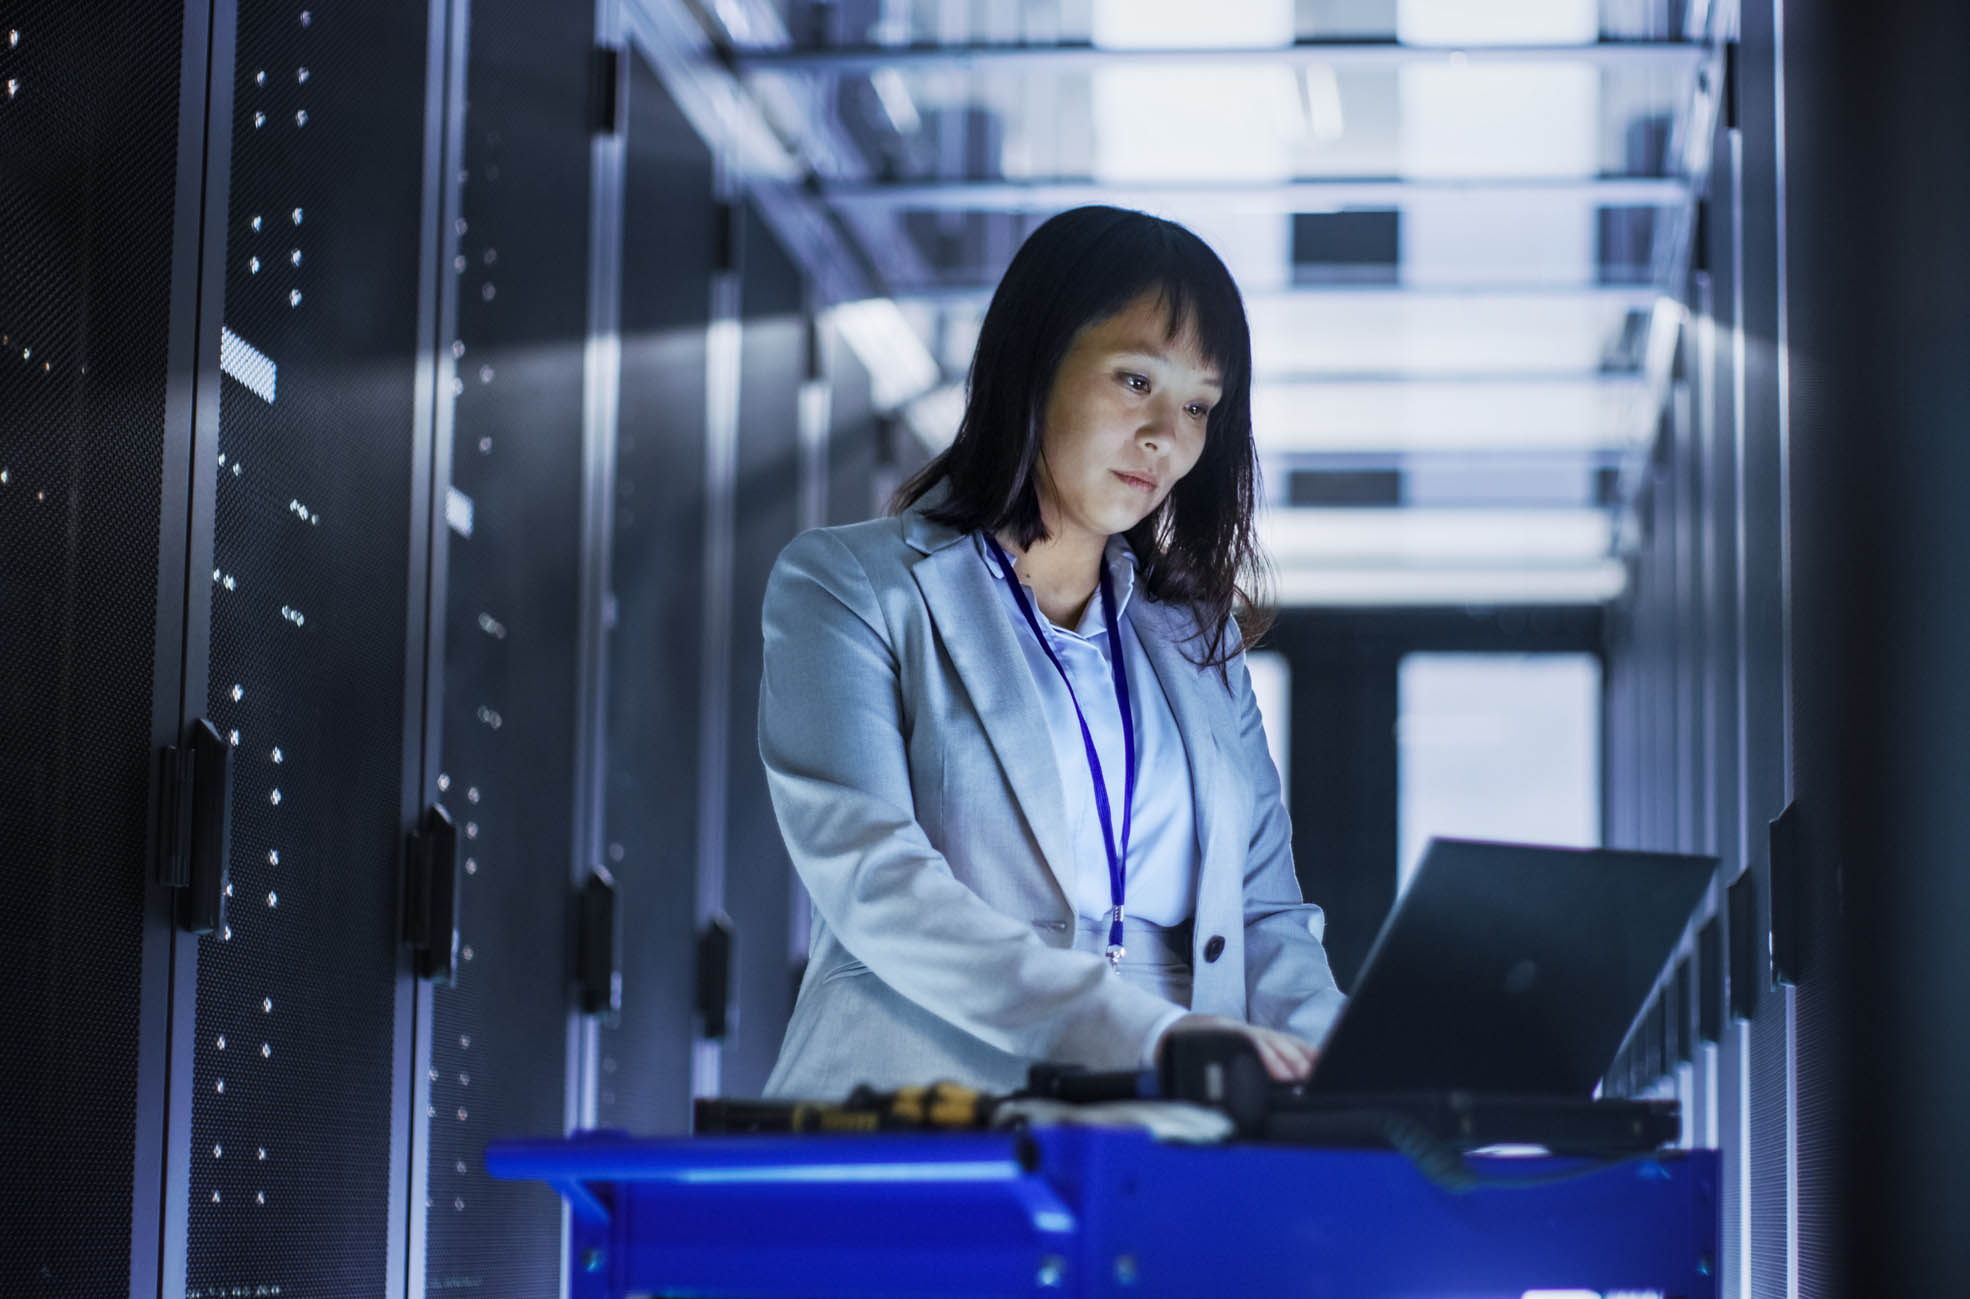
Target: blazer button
x,y
1214,948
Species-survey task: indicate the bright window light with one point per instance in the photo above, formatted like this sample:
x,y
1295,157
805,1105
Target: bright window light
x,y
1496,746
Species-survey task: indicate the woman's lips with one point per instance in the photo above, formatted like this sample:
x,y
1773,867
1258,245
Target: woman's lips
x,y
1137,481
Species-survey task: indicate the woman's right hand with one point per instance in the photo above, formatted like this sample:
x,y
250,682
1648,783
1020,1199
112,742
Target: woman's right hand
x,y
1287,1059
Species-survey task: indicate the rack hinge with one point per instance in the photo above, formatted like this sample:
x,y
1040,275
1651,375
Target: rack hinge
x,y
1733,85
194,826
1786,940
715,977
598,945
431,897
607,97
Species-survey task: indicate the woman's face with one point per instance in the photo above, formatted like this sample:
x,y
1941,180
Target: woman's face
x,y
1124,421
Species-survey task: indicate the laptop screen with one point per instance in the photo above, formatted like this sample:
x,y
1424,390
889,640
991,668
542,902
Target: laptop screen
x,y
1510,968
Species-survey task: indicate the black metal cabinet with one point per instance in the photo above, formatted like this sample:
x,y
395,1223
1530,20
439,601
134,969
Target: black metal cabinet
x,y
102,137
1707,659
307,430
493,1060
298,1065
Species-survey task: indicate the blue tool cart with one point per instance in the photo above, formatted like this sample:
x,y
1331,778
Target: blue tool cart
x,y
1105,1212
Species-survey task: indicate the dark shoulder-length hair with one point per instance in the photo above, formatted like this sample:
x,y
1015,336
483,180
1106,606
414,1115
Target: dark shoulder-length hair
x,y
1079,267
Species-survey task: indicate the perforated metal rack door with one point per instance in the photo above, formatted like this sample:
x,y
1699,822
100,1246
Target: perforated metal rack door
x,y
658,576
514,515
89,153
297,1033
759,878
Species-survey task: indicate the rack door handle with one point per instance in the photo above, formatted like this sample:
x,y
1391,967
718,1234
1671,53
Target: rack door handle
x,y
431,897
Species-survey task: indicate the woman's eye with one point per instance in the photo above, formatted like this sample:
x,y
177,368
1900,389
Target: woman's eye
x,y
1198,410
1136,382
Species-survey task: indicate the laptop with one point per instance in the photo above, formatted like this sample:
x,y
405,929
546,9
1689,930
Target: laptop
x,y
1508,968
1495,996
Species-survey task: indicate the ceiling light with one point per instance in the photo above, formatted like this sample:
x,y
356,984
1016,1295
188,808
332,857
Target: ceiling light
x,y
1443,537
1595,583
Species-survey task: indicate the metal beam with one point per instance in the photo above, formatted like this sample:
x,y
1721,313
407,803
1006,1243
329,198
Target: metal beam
x,y
1637,297
1305,194
731,119
1357,461
860,60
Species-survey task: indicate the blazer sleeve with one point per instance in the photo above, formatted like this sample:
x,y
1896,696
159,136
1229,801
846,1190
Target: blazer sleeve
x,y
831,719
1288,984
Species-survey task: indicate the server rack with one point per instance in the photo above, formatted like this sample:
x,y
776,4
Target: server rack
x,y
104,140
507,727
326,458
1701,708
658,581
292,1022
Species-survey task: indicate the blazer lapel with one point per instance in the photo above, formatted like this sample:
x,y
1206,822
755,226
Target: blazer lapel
x,y
958,591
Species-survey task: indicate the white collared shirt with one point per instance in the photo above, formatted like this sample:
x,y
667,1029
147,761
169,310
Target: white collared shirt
x,y
1163,850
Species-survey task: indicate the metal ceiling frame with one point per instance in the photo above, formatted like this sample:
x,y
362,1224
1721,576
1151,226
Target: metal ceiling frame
x,y
860,60
1636,296
771,169
1300,195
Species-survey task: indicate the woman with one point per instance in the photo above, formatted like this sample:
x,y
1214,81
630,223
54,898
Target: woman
x,y
1009,733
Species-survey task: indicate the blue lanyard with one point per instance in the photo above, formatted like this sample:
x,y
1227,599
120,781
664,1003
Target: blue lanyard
x,y
1117,858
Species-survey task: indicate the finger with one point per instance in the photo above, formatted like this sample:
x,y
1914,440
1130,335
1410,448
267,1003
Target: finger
x,y
1298,1054
1277,1065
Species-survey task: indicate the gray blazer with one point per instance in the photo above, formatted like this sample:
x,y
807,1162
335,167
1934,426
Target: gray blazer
x,y
916,788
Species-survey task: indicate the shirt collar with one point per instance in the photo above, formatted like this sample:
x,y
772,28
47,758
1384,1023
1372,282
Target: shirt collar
x,y
1117,555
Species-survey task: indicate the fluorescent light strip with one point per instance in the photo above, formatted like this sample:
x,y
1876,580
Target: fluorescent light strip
x,y
1441,537
248,364
1585,414
1408,333
1372,587
1525,22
